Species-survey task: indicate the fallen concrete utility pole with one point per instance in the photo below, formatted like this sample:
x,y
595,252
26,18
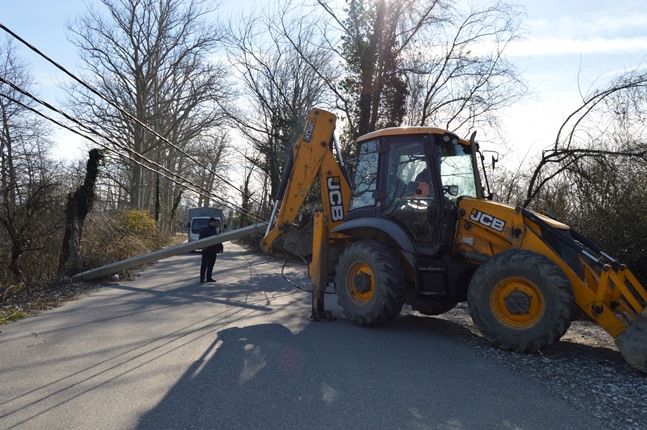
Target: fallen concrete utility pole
x,y
133,262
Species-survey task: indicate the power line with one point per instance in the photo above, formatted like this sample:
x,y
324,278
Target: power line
x,y
123,111
181,181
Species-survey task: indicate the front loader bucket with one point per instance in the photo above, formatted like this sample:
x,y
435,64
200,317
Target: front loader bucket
x,y
632,343
605,289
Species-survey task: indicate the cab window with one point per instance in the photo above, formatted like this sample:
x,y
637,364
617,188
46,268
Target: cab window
x,y
365,179
456,169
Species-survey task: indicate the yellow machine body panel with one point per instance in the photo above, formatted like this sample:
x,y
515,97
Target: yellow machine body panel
x,y
612,297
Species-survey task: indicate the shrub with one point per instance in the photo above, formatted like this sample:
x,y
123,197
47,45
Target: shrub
x,y
117,236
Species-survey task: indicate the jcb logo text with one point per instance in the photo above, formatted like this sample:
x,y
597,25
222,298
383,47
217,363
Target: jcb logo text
x,y
487,220
310,128
335,198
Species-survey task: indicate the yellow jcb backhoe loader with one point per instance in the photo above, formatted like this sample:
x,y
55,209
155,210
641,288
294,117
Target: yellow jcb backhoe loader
x,y
412,225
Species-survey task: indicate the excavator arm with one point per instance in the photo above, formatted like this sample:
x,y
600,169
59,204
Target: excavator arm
x,y
289,228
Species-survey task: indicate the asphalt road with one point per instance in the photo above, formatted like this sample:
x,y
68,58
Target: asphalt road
x,y
165,352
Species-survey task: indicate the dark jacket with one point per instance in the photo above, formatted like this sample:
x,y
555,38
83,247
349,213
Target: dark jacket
x,y
207,232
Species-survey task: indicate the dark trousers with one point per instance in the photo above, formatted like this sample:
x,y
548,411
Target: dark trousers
x,y
208,261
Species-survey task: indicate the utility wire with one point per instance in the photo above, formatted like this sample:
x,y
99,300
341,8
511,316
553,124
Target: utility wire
x,y
120,109
181,181
185,183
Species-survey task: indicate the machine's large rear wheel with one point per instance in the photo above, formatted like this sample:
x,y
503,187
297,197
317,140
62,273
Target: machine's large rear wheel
x,y
370,283
521,301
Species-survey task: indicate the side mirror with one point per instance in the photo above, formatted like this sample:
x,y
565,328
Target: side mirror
x,y
494,157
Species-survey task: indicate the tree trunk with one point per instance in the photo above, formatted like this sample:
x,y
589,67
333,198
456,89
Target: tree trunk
x,y
16,252
79,204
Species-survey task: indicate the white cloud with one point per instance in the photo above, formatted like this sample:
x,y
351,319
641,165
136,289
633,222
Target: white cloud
x,y
562,27
567,46
591,25
585,18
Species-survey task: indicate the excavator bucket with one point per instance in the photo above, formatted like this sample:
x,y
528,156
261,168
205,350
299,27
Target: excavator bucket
x,y
617,302
632,343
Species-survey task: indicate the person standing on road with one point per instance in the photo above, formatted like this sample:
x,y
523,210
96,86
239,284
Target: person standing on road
x,y
209,253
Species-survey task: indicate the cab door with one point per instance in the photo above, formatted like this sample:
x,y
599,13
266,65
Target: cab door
x,y
411,190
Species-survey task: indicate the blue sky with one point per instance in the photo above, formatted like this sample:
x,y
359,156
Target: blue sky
x,y
565,42
570,46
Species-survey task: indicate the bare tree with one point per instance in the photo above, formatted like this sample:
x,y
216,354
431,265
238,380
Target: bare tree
x,y
457,73
215,151
246,192
280,70
369,38
31,193
593,176
610,122
150,59
421,63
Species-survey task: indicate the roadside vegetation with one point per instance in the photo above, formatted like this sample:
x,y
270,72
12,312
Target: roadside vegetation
x,y
181,111
108,237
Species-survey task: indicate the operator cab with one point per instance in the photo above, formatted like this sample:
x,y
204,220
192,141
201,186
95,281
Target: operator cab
x,y
413,176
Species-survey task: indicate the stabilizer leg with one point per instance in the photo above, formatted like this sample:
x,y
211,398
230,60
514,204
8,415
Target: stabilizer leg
x,y
319,313
318,270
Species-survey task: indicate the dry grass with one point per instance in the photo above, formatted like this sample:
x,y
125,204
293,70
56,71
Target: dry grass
x,y
20,301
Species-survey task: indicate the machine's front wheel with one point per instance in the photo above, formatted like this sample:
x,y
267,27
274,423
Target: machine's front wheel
x,y
521,301
370,283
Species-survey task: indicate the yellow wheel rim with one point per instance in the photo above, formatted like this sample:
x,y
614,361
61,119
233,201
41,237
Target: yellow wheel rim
x,y
517,302
360,282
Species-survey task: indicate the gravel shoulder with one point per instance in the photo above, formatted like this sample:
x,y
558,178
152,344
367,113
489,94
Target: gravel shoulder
x,y
584,368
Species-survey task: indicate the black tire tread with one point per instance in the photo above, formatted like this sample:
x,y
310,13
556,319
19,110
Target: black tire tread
x,y
558,296
390,285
